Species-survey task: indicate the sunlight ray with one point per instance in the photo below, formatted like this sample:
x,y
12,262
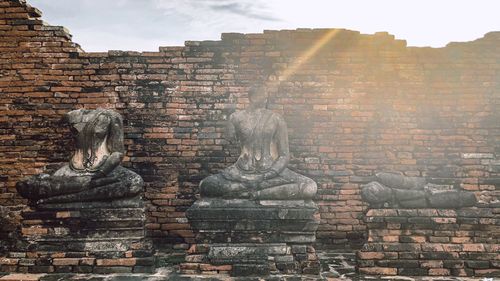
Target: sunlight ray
x,y
309,53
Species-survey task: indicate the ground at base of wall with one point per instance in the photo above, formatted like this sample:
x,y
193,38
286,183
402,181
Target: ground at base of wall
x,y
335,266
168,275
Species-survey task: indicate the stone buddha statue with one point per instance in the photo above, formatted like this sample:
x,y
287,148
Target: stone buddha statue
x,y
93,172
261,171
394,190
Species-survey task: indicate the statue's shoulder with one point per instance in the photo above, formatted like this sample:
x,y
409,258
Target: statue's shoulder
x,y
112,114
276,116
237,115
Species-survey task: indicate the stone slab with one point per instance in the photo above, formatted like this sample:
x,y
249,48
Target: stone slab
x,y
256,225
135,202
90,245
247,211
448,242
101,214
63,226
245,253
22,277
91,233
255,237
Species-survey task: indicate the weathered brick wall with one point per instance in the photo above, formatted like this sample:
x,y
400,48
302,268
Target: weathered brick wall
x,y
354,104
434,242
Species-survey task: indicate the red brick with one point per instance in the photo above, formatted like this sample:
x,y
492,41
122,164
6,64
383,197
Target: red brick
x,y
22,277
431,264
473,248
439,272
87,261
65,261
208,267
8,261
378,271
461,240
33,231
487,272
371,255
432,247
189,266
116,262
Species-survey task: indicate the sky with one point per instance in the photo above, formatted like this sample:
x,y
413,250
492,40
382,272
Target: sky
x,y
144,25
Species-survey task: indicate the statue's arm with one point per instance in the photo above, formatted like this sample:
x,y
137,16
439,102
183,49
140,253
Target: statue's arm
x,y
281,138
230,130
115,145
115,133
44,185
110,164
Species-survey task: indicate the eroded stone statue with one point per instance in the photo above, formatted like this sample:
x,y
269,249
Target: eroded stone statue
x,y
93,172
261,171
397,191
256,213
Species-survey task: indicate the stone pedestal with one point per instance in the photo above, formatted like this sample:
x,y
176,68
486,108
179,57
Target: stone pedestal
x,y
431,242
87,237
243,237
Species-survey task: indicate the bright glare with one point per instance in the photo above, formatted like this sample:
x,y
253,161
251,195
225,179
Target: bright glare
x,y
100,25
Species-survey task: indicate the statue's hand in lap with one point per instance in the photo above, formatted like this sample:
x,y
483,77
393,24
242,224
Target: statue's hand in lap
x,y
233,174
102,181
253,181
93,172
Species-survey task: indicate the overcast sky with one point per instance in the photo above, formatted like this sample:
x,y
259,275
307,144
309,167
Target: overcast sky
x,y
144,25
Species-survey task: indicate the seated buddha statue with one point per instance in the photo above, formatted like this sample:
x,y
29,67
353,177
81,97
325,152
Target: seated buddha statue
x,y
93,172
261,171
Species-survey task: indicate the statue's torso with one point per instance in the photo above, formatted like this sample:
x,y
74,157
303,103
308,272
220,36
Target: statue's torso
x,y
91,142
256,130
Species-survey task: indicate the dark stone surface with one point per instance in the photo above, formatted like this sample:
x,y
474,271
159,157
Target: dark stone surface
x,y
413,271
261,169
8,228
244,253
265,236
240,221
451,199
250,270
93,173
408,195
396,180
98,233
376,193
257,206
478,264
212,208
392,190
342,262
415,203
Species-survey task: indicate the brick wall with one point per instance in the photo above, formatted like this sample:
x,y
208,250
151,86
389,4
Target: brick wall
x,y
354,104
432,242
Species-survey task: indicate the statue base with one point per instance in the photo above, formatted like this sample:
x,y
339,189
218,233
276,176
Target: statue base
x,y
244,238
431,242
84,238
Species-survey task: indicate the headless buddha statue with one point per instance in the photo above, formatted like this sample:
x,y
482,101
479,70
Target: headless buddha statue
x,y
395,190
93,172
261,171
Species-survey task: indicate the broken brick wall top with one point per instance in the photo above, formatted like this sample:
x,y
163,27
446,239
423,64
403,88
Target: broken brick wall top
x,y
355,105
